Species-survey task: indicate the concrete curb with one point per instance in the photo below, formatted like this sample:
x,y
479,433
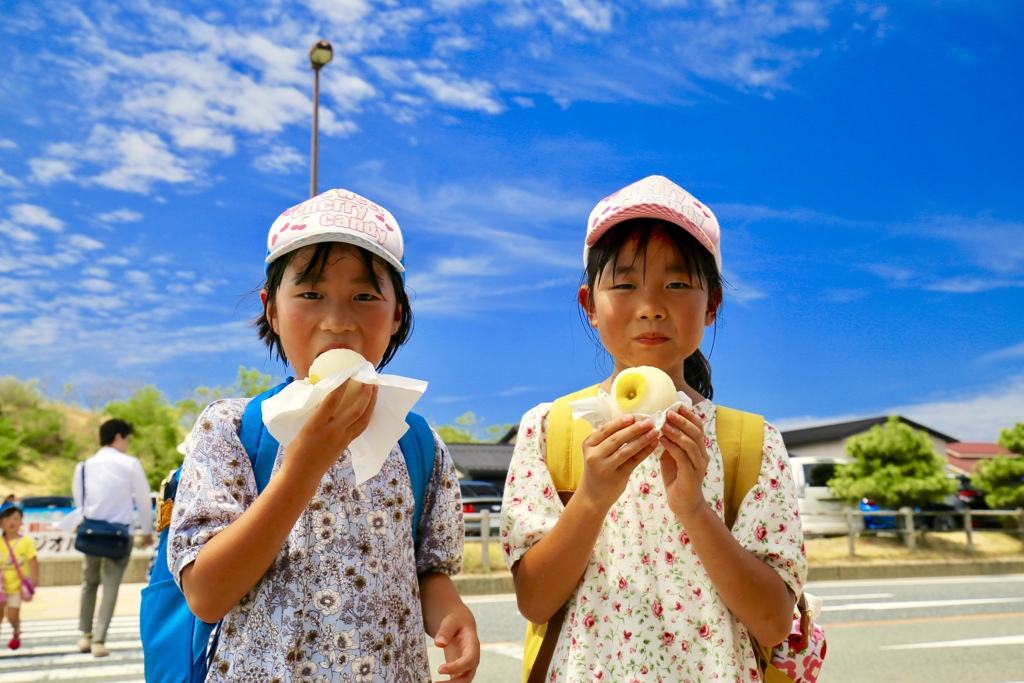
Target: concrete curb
x,y
67,571
913,569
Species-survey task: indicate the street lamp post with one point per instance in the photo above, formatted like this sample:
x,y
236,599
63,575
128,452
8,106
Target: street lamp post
x,y
319,55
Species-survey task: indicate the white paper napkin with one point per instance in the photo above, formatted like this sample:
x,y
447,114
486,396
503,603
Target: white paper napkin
x,y
285,413
599,410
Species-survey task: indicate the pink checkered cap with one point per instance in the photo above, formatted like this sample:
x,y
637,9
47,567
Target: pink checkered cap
x,y
338,216
655,197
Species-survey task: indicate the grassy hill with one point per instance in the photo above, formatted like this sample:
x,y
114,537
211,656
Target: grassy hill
x,y
51,473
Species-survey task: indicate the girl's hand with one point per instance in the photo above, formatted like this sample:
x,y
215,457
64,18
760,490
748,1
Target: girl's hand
x,y
684,462
457,635
610,455
329,431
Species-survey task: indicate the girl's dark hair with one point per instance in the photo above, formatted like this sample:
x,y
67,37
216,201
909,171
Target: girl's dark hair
x,y
700,261
311,273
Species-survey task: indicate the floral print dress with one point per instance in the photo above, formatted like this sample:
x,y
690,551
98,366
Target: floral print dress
x,y
645,610
341,601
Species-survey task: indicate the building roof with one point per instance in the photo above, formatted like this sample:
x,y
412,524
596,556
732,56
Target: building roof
x,y
841,430
964,457
482,460
975,449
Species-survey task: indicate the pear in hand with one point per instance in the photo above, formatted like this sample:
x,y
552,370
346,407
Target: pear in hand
x,y
332,361
642,390
335,360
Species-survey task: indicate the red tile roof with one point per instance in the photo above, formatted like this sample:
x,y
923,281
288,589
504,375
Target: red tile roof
x,y
975,449
965,456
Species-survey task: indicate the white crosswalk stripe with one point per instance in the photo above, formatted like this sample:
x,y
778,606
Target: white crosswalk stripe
x,y
48,652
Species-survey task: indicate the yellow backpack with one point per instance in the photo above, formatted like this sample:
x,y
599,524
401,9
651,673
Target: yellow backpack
x,y
740,439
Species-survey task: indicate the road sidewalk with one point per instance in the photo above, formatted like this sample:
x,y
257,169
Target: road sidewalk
x,y
61,602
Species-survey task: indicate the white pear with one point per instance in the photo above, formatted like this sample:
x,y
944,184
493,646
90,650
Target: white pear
x,y
643,390
332,361
335,360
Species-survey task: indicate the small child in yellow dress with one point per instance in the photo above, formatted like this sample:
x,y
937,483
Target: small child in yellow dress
x,y
19,552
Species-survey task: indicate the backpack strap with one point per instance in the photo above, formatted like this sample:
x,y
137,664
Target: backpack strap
x,y
418,448
259,445
741,442
564,458
564,453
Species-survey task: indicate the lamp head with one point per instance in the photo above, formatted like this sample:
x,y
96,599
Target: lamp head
x,y
320,54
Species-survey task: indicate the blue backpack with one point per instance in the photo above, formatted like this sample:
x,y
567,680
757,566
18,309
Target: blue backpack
x,y
169,631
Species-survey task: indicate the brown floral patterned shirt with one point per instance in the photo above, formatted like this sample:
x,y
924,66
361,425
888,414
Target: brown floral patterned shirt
x,y
341,601
646,610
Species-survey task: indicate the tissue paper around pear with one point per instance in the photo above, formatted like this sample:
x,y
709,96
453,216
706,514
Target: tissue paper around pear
x,y
285,413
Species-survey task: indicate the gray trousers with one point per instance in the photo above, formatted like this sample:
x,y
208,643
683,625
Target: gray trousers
x,y
96,570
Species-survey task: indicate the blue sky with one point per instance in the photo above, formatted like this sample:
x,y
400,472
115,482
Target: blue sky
x,y
865,161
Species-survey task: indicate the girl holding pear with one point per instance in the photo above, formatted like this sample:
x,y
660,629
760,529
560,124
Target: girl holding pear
x,y
655,585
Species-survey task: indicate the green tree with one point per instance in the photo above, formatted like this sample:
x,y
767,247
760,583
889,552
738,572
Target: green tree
x,y
249,382
894,465
1003,480
157,432
1012,439
467,429
30,427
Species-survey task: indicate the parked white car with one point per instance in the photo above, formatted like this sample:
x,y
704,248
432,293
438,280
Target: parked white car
x,y
821,513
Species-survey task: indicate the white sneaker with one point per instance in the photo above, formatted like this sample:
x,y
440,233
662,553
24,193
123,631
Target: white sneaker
x,y
99,650
84,643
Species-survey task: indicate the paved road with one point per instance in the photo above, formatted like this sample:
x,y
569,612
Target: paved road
x,y
48,653
930,630
935,630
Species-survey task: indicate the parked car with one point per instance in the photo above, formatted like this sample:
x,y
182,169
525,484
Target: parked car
x,y
945,517
974,498
42,503
821,513
41,513
476,497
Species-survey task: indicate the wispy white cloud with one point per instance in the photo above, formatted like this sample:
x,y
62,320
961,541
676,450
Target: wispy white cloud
x,y
993,247
120,216
49,171
974,416
993,244
437,81
752,213
8,181
163,92
1010,352
82,243
972,285
16,232
36,216
137,277
127,160
98,286
742,292
280,159
8,144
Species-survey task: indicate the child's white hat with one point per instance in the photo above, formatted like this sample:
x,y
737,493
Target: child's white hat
x,y
655,197
338,216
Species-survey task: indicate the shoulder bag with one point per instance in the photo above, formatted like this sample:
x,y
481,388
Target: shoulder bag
x,y
101,538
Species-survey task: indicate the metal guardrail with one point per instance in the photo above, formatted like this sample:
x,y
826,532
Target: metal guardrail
x,y
484,539
909,532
